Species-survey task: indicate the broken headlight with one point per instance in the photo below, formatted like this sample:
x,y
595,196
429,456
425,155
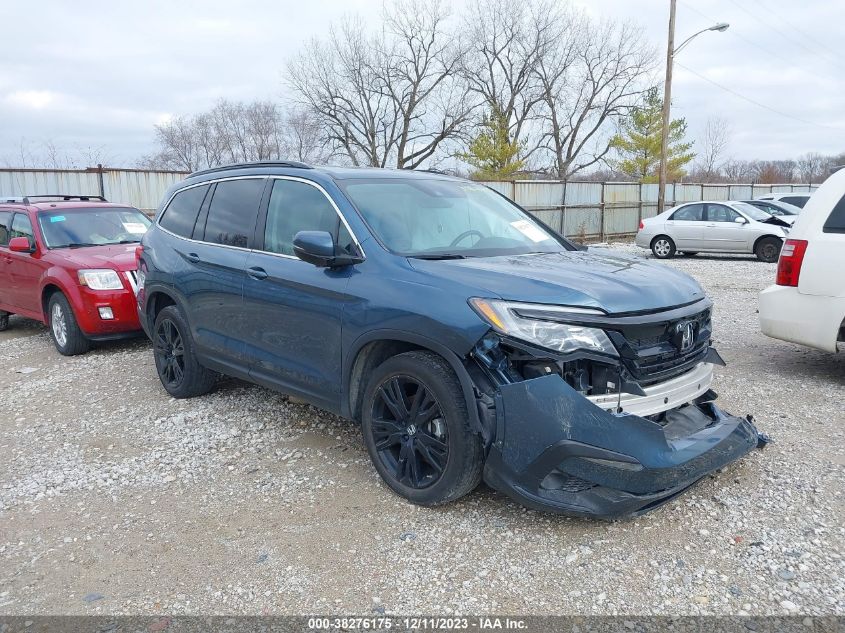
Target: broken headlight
x,y
531,323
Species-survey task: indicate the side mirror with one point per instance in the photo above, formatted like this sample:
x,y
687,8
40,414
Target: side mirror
x,y
318,248
21,245
741,220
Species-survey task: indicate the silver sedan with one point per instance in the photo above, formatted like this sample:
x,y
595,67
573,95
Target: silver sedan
x,y
713,227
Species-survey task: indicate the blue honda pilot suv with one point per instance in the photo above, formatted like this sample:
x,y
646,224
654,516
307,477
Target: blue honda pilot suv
x,y
469,339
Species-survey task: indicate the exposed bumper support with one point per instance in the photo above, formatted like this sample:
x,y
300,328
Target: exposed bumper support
x,y
660,397
555,450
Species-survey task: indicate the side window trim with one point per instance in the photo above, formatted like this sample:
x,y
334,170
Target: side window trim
x,y
25,216
262,218
166,207
202,215
8,227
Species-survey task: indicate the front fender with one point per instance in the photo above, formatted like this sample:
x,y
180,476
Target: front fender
x,y
455,362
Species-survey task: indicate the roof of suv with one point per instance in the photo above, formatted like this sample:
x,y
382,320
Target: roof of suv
x,y
50,205
288,168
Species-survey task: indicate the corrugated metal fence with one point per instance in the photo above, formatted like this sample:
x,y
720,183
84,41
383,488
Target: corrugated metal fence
x,y
139,188
607,210
584,210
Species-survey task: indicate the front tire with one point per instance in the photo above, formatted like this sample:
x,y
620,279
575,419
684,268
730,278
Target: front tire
x,y
4,321
768,249
64,330
663,247
180,373
416,429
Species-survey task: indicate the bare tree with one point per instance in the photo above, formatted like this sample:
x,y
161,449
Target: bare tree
x,y
507,42
302,138
813,167
711,149
589,82
385,98
774,171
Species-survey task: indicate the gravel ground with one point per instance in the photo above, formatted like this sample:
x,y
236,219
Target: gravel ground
x,y
117,499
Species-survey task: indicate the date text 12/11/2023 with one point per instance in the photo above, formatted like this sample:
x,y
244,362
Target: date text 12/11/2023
x,y
420,623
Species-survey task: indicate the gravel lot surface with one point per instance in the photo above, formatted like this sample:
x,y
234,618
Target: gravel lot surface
x,y
117,499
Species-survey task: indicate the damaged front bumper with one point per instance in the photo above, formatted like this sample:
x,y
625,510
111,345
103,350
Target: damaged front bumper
x,y
555,450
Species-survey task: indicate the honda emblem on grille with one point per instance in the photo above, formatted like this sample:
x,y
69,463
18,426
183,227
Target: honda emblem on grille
x,y
684,335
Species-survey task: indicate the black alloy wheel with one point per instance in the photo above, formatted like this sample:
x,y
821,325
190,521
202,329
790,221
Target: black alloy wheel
x,y
409,431
169,354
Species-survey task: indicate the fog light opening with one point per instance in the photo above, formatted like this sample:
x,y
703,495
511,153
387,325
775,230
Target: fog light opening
x,y
106,313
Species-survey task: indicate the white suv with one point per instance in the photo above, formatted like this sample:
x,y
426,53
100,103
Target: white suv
x,y
807,304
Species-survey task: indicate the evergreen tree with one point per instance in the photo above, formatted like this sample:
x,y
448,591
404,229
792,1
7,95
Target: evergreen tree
x,y
638,143
493,154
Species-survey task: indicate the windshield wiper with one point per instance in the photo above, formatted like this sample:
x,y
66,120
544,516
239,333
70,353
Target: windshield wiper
x,y
439,256
78,245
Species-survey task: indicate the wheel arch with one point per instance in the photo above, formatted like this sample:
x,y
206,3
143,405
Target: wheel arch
x,y
157,300
372,349
763,237
658,236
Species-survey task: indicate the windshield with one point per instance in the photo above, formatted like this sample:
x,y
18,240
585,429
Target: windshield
x,y
784,208
92,227
442,218
752,212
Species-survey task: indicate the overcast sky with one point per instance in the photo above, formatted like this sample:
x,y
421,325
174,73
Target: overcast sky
x,y
101,74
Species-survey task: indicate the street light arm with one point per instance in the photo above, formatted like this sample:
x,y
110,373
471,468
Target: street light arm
x,y
721,26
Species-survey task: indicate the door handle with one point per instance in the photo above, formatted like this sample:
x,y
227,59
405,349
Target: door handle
x,y
192,257
257,273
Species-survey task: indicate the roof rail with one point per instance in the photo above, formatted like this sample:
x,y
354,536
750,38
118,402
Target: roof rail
x,y
59,197
262,163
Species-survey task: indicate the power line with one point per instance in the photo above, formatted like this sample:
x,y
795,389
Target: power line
x,y
783,34
765,49
757,103
818,45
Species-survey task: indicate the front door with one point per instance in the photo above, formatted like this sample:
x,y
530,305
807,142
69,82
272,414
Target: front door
x,y
294,309
722,232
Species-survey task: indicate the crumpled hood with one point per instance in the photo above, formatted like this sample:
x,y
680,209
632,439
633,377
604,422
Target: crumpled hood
x,y
596,278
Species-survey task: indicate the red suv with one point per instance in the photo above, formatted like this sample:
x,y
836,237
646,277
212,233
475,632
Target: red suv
x,y
69,262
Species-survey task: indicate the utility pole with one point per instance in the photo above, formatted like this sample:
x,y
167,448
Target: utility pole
x,y
667,100
671,51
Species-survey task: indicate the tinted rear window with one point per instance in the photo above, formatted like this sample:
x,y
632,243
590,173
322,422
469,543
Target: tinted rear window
x,y
798,201
836,221
5,216
181,213
690,213
234,207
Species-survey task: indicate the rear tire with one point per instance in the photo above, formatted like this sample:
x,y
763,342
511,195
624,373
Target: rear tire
x,y
180,373
4,320
768,249
64,330
416,429
663,247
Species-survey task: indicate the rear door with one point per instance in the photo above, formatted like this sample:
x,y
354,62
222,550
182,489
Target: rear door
x,y
723,233
24,269
825,256
292,308
222,237
5,259
686,225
